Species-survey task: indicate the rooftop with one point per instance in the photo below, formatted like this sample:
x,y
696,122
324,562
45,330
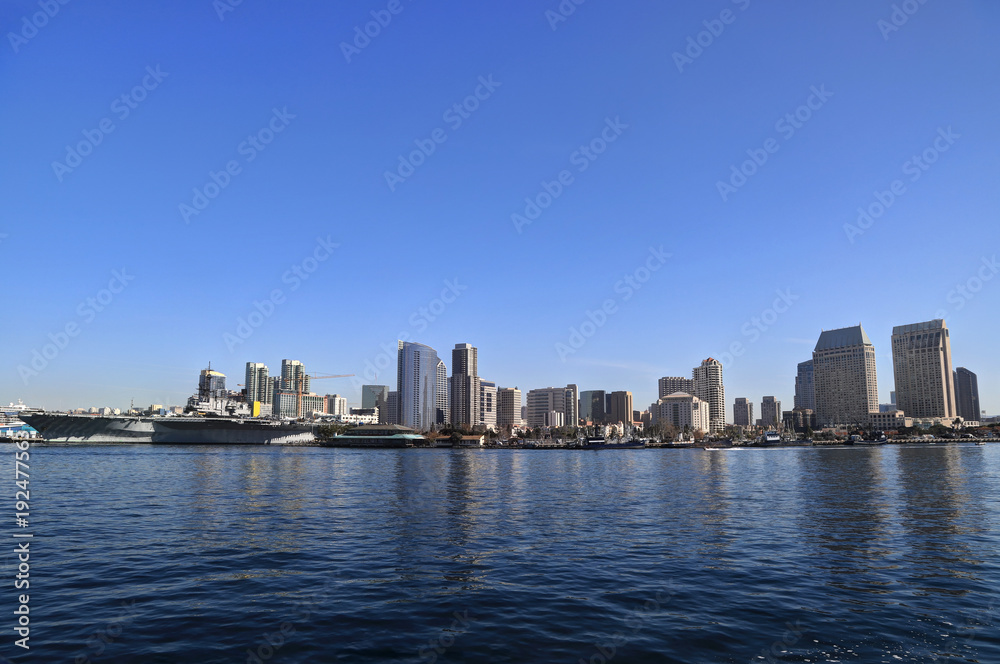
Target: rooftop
x,y
845,336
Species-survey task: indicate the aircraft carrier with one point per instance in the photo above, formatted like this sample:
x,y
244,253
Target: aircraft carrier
x,y
62,428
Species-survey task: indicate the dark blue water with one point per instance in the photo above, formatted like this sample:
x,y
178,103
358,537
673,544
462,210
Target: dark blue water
x,y
171,554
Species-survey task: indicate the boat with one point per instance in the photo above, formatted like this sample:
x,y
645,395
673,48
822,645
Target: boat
x,y
602,444
66,428
769,439
876,438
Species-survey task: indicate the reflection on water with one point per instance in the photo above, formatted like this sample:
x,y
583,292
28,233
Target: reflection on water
x,y
875,554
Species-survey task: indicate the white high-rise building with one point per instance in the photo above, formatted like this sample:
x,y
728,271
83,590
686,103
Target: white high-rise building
x,y
709,388
921,362
421,387
682,410
488,404
845,381
509,407
336,404
257,383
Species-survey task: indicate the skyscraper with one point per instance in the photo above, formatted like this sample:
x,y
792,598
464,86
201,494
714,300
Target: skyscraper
x,y
488,403
211,385
542,402
421,387
376,396
770,412
592,406
572,406
508,407
464,386
673,384
709,387
391,408
743,412
294,377
256,383
967,395
845,377
921,363
621,407
805,386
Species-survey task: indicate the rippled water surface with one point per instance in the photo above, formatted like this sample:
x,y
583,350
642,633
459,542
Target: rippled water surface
x,y
267,554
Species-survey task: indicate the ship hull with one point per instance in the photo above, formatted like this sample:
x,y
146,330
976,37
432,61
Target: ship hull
x,y
165,431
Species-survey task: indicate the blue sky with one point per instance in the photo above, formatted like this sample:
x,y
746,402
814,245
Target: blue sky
x,y
327,131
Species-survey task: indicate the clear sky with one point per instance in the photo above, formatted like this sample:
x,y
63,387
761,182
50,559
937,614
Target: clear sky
x,y
309,117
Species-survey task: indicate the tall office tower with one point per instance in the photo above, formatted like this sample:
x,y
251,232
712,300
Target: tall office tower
x,y
672,384
921,363
708,387
967,395
845,377
294,377
572,400
621,407
464,386
211,385
391,408
256,383
488,403
743,412
421,387
892,397
770,412
269,389
547,400
805,386
508,407
376,396
336,404
592,406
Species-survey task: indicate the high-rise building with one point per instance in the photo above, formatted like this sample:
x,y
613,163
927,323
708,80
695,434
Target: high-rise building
x,y
294,377
542,402
921,363
256,383
621,407
421,387
592,406
488,404
683,411
572,401
805,386
376,396
743,412
508,407
211,385
770,412
672,384
846,384
709,387
967,395
336,404
391,408
464,386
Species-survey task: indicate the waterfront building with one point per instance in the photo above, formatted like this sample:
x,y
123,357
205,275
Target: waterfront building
x,y
682,410
256,383
572,401
464,385
743,412
805,386
545,400
770,412
211,385
335,404
621,407
509,407
845,379
488,404
391,408
709,387
592,406
671,384
376,396
421,387
294,377
921,362
891,420
967,395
